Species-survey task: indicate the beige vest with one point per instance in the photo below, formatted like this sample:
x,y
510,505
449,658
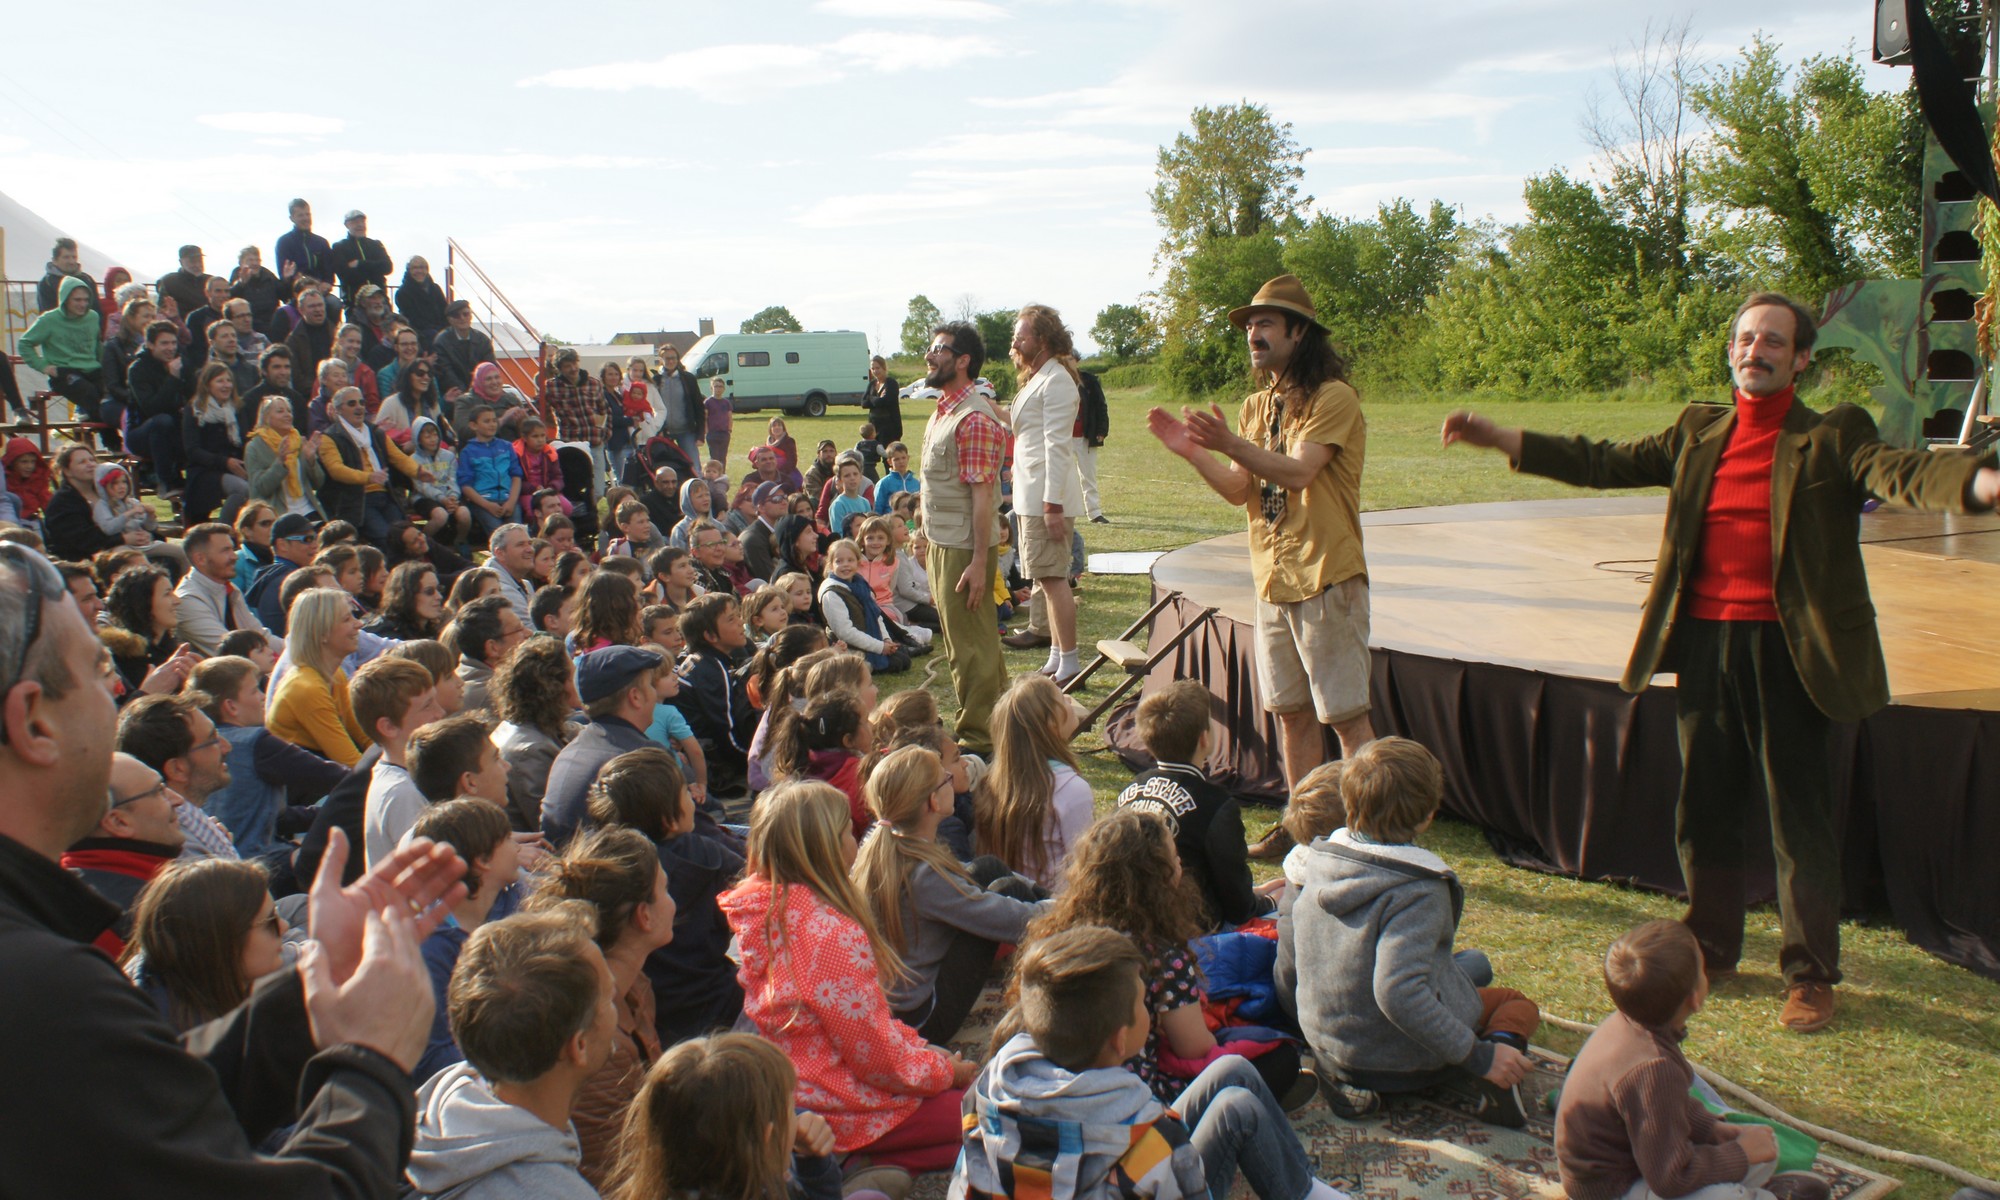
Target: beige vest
x,y
947,500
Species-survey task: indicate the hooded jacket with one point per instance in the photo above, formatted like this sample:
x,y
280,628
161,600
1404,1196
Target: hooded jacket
x,y
1096,1134
48,290
819,1000
60,342
472,1145
31,491
1372,932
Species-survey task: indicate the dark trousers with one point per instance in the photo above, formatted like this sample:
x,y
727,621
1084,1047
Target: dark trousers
x,y
1751,738
968,963
158,439
379,511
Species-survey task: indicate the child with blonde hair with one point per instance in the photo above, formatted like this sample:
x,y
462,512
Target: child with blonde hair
x,y
815,968
1033,804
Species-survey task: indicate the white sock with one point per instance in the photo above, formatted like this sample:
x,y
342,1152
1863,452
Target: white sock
x,y
1055,658
1069,662
1321,1190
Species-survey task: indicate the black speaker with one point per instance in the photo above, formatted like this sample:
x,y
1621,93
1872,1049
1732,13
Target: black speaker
x,y
1892,32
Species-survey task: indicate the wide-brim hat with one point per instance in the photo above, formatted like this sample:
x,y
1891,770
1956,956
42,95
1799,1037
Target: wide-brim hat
x,y
1286,293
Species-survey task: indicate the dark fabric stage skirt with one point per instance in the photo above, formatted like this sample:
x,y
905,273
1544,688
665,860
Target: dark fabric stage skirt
x,y
1576,777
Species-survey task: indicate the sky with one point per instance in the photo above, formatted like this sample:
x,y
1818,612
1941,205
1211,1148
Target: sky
x,y
625,166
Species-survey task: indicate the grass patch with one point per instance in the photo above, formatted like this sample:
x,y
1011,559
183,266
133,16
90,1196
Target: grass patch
x,y
1914,1060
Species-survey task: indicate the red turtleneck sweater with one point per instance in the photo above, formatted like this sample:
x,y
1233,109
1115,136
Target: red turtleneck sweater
x,y
1733,574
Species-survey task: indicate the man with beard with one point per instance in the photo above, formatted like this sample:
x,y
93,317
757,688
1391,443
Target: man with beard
x,y
256,287
223,348
1293,463
187,285
1760,606
964,445
370,311
215,296
574,400
1048,489
681,395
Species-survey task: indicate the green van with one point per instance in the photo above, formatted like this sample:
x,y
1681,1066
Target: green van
x,y
796,372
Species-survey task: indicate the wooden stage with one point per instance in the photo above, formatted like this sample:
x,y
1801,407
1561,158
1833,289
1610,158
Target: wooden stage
x,y
1555,586
1500,632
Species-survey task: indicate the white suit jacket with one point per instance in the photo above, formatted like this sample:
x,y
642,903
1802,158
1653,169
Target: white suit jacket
x,y
1045,466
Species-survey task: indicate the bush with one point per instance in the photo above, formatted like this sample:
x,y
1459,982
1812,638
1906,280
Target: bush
x,y
1130,375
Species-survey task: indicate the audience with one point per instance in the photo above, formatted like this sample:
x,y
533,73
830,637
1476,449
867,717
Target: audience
x,y
534,695
486,632
137,836
211,607
393,698
412,604
311,707
264,770
618,687
477,831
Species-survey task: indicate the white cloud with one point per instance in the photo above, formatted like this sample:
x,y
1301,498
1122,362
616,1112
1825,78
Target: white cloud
x,y
913,10
330,168
278,123
1368,156
742,71
946,194
1026,146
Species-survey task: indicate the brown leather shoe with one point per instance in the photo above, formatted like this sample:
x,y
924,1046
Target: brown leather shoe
x,y
1026,639
1808,1007
1273,845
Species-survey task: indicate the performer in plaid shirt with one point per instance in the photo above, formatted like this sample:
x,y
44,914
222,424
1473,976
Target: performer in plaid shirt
x,y
574,402
964,446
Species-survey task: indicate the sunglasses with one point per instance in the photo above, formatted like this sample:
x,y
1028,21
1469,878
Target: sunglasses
x,y
44,583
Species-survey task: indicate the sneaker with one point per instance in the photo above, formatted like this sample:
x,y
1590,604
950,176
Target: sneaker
x,y
1798,1185
1496,1105
893,1182
1300,1094
1100,519
1349,1103
1808,1007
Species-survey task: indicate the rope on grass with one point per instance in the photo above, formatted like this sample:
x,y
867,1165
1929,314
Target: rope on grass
x,y
1747,1097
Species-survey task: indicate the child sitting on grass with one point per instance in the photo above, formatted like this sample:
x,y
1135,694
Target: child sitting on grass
x,y
1627,1126
1207,821
847,604
1313,812
1032,804
825,741
1383,1002
1056,1103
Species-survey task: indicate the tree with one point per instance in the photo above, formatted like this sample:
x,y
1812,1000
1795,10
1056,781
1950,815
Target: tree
x,y
996,332
1236,174
1124,331
924,317
1647,141
775,319
1369,278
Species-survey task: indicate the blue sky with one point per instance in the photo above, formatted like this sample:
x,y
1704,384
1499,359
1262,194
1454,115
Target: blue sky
x,y
631,165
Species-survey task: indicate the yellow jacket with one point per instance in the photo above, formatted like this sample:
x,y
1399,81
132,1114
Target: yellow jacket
x,y
306,712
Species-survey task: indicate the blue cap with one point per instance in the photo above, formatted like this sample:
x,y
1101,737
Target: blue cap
x,y
611,670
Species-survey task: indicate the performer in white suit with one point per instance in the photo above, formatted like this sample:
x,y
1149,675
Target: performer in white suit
x,y
1048,484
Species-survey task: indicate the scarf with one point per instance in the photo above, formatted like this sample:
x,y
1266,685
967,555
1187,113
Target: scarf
x,y
286,447
363,441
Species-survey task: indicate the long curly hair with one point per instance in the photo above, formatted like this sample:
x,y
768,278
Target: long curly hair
x,y
129,604
532,687
399,598
1118,877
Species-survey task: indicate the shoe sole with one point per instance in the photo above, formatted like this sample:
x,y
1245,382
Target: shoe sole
x,y
1813,1026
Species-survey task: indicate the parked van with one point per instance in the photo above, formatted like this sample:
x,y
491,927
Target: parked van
x,y
797,372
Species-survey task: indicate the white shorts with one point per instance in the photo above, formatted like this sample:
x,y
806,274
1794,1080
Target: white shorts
x,y
1315,652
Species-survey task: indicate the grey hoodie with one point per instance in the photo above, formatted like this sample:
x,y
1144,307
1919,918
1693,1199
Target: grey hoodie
x,y
1377,988
1077,1126
128,514
471,1145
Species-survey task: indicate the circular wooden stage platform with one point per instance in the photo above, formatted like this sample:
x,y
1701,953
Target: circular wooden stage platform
x,y
1499,635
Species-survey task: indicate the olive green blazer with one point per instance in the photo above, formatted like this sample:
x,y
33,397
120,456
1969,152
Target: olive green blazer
x,y
1825,466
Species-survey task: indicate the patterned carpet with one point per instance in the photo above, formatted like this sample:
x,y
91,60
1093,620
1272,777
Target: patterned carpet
x,y
1424,1148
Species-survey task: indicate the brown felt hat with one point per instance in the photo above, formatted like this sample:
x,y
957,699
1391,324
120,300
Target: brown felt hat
x,y
1285,292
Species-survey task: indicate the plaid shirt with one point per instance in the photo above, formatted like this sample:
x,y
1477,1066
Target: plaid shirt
x,y
576,408
982,443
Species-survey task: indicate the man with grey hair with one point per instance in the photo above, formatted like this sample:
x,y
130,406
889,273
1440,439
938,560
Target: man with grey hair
x,y
513,554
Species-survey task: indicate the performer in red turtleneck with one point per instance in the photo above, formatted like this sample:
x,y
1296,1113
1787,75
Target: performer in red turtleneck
x,y
1760,604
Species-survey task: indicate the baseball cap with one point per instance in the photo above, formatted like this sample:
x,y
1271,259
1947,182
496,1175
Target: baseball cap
x,y
611,670
354,214
292,525
767,492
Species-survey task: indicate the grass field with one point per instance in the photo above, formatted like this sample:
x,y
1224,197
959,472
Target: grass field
x,y
1913,1062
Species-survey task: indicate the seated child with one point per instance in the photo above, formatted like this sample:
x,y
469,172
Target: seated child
x,y
947,921
765,612
686,1137
479,831
776,680
815,969
1032,803
1383,1003
392,699
694,982
851,498
847,605
1056,1084
825,740
1125,876
262,766
1627,1126
802,606
1313,812
712,697
441,492
541,470
250,644
553,611
1174,723
488,474
614,499
116,510
669,727
636,537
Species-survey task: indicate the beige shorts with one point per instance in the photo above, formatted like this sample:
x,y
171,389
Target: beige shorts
x,y
1315,652
1042,557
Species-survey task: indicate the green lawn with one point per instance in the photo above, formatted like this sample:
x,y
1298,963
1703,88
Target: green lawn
x,y
1914,1061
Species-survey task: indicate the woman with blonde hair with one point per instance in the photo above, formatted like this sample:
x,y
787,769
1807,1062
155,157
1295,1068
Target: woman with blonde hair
x,y
814,970
203,932
310,707
946,919
1032,803
284,466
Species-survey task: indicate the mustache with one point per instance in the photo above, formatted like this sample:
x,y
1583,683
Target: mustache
x,y
1757,362
1257,344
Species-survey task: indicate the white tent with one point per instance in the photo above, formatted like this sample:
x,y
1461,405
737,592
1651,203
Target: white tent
x,y
30,237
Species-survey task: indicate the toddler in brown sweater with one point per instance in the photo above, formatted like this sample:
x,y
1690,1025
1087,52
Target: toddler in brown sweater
x,y
1627,1127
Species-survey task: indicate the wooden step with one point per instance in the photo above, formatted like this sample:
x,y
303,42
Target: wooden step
x,y
1133,659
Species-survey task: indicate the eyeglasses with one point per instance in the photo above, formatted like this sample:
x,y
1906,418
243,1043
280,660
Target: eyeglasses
x,y
157,789
420,374
44,583
213,741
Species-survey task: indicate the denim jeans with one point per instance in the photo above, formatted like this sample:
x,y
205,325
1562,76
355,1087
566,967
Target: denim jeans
x,y
158,438
1236,1123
